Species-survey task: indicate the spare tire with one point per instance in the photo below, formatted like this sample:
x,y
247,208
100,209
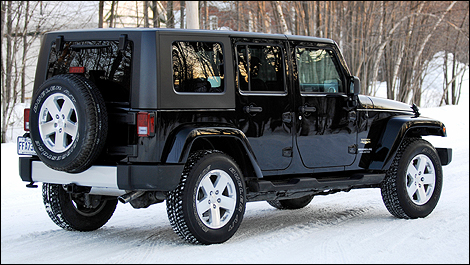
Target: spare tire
x,y
68,123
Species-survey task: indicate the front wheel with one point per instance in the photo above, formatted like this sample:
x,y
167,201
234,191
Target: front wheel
x,y
412,186
208,205
76,211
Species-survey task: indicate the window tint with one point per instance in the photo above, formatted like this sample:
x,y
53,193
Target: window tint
x,y
317,71
198,67
103,61
260,68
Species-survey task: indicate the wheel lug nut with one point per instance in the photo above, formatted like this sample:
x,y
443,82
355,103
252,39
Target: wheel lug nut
x,y
57,116
214,206
216,192
218,200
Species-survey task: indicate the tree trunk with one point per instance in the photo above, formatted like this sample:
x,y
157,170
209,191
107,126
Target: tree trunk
x,y
206,15
170,19
111,17
156,14
25,52
146,14
100,14
192,15
182,4
282,20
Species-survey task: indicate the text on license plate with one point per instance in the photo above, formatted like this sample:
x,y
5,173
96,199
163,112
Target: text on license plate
x,y
24,146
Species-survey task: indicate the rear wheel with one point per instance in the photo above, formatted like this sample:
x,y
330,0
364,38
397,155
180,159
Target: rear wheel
x,y
69,123
76,211
208,205
291,204
412,186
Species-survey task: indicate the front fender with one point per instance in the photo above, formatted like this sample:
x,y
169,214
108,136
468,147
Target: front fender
x,y
395,130
178,148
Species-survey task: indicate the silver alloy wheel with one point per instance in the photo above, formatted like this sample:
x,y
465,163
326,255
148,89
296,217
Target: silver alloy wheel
x,y
58,122
420,179
215,199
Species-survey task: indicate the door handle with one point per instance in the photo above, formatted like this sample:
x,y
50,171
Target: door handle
x,y
306,108
252,109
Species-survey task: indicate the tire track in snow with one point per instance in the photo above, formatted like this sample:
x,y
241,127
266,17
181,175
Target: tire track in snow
x,y
284,226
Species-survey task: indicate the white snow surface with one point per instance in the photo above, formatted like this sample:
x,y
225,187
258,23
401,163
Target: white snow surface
x,y
346,227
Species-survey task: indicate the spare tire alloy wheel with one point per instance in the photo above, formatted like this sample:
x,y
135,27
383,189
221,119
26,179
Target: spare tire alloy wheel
x,y
68,123
58,122
208,205
413,183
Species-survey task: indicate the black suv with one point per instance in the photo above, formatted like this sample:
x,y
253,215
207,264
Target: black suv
x,y
210,120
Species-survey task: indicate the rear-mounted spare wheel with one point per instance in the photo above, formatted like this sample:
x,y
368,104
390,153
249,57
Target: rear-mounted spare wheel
x,y
69,123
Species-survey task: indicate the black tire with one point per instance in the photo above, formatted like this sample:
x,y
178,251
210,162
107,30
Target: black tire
x,y
68,210
291,204
413,184
69,123
224,213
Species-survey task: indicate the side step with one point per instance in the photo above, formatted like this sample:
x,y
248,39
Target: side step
x,y
262,190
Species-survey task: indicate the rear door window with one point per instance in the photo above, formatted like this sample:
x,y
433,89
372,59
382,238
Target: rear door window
x,y
260,69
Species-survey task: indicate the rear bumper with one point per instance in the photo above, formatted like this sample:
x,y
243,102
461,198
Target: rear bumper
x,y
115,179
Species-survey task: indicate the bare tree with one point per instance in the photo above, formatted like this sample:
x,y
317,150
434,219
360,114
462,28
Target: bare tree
x,y
100,14
146,14
23,23
170,23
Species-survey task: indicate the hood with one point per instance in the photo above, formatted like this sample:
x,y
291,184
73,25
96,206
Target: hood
x,y
369,102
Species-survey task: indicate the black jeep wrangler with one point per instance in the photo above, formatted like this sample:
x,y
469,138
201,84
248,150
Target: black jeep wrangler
x,y
210,120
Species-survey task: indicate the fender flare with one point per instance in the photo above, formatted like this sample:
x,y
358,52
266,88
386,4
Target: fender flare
x,y
396,129
177,148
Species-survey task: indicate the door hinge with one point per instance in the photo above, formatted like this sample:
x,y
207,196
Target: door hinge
x,y
352,149
287,152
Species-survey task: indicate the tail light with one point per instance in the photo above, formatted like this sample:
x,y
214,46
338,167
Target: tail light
x,y
145,124
77,70
26,120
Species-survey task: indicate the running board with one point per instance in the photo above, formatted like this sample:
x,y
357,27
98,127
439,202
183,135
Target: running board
x,y
262,190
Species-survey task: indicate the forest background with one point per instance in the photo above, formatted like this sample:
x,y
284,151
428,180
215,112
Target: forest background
x,y
391,42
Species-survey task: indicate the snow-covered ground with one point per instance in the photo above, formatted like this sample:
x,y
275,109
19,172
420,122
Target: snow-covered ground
x,y
352,227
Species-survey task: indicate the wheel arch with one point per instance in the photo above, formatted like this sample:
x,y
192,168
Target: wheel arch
x,y
391,136
231,141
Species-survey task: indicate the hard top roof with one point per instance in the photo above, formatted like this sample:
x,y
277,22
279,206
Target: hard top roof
x,y
237,34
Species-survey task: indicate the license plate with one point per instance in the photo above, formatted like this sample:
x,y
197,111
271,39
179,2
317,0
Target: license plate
x,y
24,146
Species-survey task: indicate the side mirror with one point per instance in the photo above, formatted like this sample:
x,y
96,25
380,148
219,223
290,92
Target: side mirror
x,y
355,86
354,89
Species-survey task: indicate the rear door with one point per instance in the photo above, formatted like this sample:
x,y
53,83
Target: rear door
x,y
264,108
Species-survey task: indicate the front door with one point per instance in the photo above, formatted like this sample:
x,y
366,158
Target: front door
x,y
326,134
264,109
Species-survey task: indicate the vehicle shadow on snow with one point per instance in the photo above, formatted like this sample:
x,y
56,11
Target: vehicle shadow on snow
x,y
307,220
256,224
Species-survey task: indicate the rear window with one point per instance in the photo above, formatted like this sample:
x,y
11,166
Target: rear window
x,y
105,64
198,67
